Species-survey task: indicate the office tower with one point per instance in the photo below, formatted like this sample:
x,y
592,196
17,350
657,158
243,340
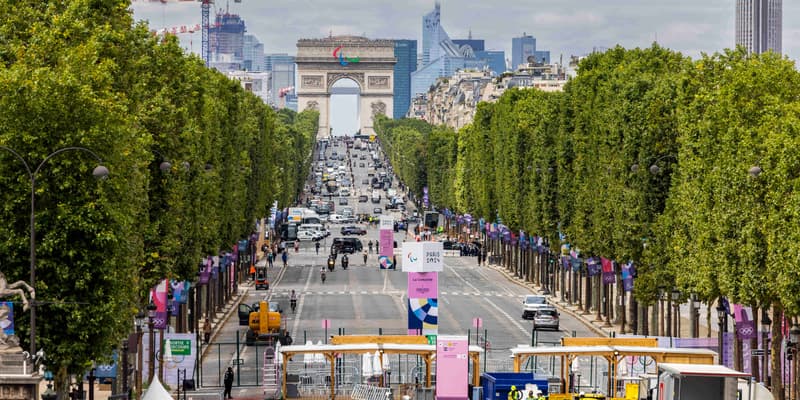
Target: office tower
x,y
523,49
759,25
474,44
253,54
495,59
282,68
405,51
227,36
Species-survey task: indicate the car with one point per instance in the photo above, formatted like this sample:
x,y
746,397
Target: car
x,y
342,201
533,303
363,198
449,245
377,210
307,236
546,318
346,245
365,181
361,165
352,230
336,218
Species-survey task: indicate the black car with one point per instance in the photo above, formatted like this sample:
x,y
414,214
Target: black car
x,y
353,230
363,198
346,245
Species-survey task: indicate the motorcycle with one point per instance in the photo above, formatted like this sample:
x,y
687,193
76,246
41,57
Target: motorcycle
x,y
344,262
331,263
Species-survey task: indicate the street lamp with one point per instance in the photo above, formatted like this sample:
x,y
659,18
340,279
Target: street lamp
x,y
765,323
139,319
151,314
676,296
99,172
654,168
695,315
722,319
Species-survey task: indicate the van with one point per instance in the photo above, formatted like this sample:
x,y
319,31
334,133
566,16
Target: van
x,y
376,196
315,228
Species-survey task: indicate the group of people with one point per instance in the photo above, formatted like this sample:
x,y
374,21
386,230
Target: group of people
x,y
515,394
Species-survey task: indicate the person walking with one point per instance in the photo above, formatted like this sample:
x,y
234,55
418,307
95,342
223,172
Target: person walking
x,y
317,246
370,246
228,380
285,258
270,258
207,331
365,257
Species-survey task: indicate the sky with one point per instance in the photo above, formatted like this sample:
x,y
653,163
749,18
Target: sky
x,y
565,27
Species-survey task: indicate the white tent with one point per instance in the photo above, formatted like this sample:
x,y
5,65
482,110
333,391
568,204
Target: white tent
x,y
377,364
319,358
308,358
156,391
278,356
366,365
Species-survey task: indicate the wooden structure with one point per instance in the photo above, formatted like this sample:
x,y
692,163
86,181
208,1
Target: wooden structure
x,y
613,355
330,351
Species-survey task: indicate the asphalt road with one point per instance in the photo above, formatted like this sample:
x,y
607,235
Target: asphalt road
x,y
367,300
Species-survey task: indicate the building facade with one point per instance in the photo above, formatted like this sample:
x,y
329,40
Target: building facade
x,y
405,51
253,54
282,69
759,25
227,36
494,59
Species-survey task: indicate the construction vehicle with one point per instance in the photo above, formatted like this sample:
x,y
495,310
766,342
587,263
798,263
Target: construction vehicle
x,y
263,320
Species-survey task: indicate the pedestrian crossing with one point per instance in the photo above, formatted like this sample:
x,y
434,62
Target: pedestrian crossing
x,y
286,293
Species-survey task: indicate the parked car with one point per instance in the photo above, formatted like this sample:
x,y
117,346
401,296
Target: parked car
x,y
363,198
342,201
533,303
546,318
377,210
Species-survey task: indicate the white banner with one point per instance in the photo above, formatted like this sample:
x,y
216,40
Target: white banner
x,y
423,257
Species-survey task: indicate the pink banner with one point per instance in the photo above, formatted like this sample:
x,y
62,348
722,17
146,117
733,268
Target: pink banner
x,y
387,243
452,367
423,285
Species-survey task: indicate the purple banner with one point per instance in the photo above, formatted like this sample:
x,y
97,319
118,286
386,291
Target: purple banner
x,y
627,276
205,273
608,271
743,317
423,285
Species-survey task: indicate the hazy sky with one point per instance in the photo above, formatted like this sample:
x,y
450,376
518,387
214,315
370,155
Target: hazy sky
x,y
565,27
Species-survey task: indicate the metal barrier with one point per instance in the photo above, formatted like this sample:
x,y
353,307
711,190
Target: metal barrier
x,y
369,392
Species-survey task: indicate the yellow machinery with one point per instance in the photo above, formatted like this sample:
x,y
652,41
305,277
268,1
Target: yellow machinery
x,y
264,324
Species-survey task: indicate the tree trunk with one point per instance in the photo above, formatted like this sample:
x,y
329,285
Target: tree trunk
x,y
776,357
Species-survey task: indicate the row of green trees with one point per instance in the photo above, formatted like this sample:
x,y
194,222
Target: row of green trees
x,y
646,155
81,73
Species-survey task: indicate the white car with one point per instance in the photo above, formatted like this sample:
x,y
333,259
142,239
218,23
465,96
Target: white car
x,y
533,303
336,218
307,236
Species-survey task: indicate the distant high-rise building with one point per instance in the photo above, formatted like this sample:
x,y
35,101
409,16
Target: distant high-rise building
x,y
282,67
253,54
440,56
474,44
495,59
405,51
226,36
523,49
759,25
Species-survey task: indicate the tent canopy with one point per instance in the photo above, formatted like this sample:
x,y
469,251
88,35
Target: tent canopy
x,y
156,391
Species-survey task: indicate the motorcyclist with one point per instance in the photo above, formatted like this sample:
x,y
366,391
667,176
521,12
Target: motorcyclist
x,y
322,274
331,262
293,300
345,261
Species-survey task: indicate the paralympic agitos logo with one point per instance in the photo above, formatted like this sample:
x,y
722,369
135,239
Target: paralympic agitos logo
x,y
338,53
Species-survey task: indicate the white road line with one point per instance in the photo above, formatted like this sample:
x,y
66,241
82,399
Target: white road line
x,y
296,324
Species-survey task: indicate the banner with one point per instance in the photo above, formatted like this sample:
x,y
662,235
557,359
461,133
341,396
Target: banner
x,y
743,316
608,271
7,317
627,276
205,271
423,316
592,266
158,295
387,241
422,256
423,285
452,367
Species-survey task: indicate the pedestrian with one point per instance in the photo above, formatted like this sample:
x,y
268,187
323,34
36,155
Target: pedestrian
x,y
370,246
365,257
285,258
270,258
377,247
228,380
317,246
252,272
296,246
513,394
207,331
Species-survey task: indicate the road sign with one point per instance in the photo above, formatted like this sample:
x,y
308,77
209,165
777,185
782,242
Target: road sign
x,y
326,323
431,339
759,352
179,347
477,322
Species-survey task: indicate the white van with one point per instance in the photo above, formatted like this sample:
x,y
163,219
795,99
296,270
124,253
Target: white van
x,y
318,229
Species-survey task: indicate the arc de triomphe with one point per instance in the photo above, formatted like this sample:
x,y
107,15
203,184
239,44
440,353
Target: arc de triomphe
x,y
322,62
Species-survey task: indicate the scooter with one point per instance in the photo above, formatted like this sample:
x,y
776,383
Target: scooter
x,y
331,263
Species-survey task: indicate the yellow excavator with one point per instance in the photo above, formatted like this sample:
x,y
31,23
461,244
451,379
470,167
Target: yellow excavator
x,y
263,320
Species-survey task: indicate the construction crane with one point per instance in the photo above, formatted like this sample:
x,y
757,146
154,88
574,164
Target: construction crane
x,y
205,23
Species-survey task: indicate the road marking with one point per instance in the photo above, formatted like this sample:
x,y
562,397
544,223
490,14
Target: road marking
x,y
296,324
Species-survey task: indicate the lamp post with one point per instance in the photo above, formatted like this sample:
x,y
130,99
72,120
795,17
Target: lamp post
x,y
695,311
676,296
765,323
151,314
140,316
794,343
99,172
722,319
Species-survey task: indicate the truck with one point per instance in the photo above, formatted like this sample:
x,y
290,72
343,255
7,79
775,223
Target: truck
x,y
699,382
264,325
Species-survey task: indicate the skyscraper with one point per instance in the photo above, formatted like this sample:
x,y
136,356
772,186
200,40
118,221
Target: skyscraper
x,y
252,54
227,36
759,25
282,68
405,51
